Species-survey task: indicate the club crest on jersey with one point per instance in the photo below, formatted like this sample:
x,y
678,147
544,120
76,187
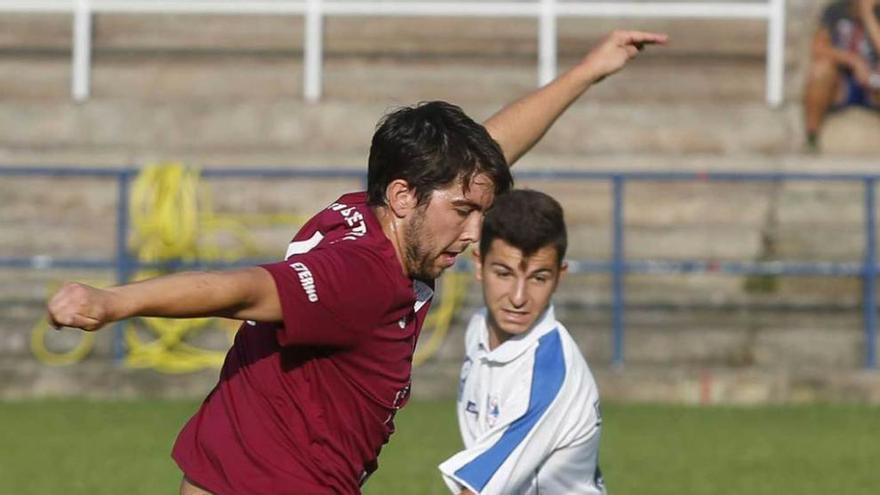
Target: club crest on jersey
x,y
493,412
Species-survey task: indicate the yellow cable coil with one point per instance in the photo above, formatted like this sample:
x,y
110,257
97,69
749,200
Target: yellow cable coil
x,y
58,358
169,218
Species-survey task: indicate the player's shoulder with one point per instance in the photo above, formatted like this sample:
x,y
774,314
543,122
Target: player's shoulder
x,y
349,218
567,342
363,277
348,229
577,368
372,273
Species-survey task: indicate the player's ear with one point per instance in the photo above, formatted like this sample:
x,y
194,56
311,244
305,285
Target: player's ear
x,y
560,274
478,264
401,198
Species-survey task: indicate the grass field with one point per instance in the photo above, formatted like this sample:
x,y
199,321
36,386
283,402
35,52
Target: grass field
x,y
80,447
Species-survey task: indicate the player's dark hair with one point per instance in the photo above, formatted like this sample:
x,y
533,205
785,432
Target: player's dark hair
x,y
430,146
527,220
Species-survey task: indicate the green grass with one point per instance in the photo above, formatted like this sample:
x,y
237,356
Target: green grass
x,y
81,447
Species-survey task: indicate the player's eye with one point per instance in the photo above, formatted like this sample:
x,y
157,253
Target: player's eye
x,y
463,212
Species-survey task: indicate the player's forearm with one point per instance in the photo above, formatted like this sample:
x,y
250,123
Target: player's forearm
x,y
233,294
841,58
822,48
520,125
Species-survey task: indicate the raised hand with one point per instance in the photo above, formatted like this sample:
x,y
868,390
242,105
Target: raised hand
x,y
613,52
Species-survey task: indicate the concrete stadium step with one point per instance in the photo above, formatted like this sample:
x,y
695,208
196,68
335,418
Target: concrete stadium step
x,y
705,354
698,383
663,220
179,84
255,57
745,337
456,35
218,77
590,127
290,128
759,336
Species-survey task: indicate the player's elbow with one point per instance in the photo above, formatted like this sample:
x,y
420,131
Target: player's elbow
x,y
256,296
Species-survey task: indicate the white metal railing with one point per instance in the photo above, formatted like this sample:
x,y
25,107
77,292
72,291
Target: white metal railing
x,y
546,12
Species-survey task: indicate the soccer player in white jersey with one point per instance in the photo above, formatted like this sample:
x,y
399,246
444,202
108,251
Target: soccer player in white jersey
x,y
528,407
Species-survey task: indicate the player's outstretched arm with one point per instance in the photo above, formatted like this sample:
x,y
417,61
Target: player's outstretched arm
x,y
521,124
247,294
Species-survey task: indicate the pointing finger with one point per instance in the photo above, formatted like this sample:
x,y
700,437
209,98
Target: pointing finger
x,y
645,38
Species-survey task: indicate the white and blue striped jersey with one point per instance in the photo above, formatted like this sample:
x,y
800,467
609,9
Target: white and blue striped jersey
x,y
528,413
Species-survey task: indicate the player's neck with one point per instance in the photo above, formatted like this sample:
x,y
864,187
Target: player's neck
x,y
496,335
393,232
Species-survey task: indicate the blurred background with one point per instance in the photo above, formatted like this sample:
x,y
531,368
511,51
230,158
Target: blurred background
x,y
723,272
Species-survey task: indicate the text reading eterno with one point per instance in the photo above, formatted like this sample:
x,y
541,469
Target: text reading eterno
x,y
306,280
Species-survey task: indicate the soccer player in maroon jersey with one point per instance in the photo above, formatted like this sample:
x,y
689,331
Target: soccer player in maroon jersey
x,y
308,391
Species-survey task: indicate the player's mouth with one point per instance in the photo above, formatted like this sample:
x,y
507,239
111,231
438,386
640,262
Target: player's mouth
x,y
447,258
516,316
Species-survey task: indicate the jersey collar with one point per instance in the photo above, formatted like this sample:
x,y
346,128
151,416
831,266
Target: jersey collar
x,y
518,344
423,293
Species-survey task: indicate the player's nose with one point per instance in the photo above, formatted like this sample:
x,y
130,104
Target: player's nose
x,y
519,296
471,232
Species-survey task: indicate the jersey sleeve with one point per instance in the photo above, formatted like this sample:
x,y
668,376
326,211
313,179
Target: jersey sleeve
x,y
330,297
574,468
506,457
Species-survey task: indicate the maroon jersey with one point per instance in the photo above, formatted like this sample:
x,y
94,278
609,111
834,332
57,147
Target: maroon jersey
x,y
304,406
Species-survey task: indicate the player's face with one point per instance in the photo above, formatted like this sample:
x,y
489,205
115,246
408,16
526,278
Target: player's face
x,y
443,227
516,289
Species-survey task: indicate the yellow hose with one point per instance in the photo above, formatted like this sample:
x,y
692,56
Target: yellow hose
x,y
59,358
169,218
41,332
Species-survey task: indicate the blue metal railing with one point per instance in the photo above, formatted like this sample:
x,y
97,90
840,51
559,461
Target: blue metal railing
x,y
125,265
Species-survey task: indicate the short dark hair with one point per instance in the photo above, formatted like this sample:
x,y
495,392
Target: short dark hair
x,y
527,220
431,145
